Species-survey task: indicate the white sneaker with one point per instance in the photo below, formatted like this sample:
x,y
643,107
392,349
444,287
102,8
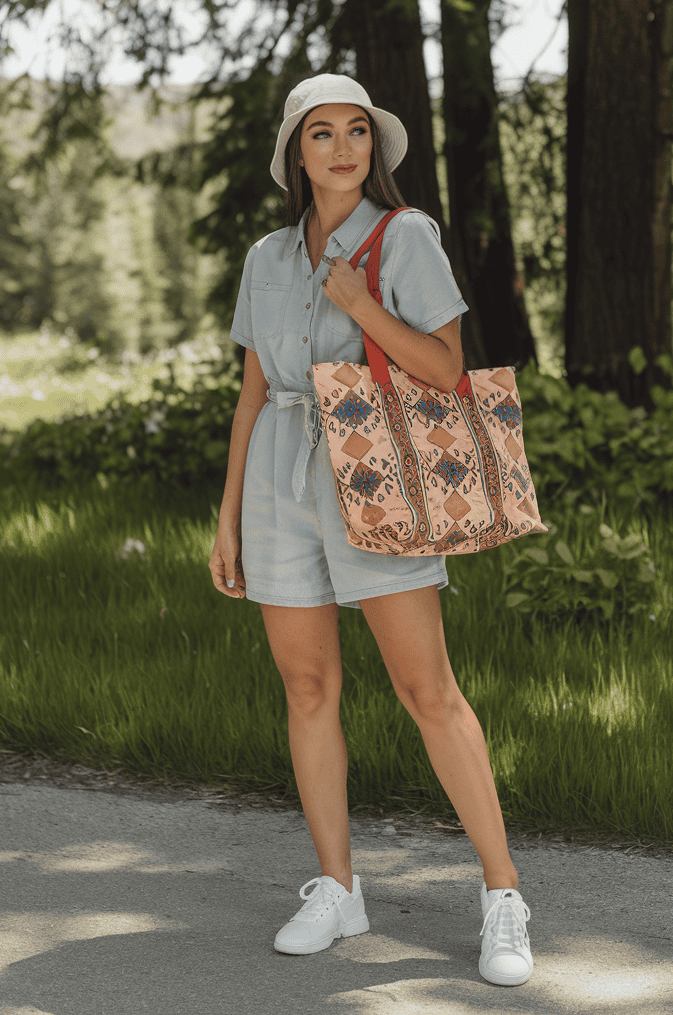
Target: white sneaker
x,y
329,912
505,950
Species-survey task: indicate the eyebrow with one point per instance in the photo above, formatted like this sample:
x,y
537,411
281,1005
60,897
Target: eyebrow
x,y
324,123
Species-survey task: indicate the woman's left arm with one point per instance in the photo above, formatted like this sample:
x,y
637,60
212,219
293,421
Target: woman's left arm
x,y
436,358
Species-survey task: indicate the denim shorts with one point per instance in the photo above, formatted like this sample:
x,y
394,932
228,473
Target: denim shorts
x,y
297,554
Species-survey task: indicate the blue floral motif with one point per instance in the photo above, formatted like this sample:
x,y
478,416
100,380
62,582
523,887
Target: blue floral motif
x,y
352,410
432,409
452,471
366,481
508,412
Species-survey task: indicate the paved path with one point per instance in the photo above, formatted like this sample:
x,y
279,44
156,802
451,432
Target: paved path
x,y
112,905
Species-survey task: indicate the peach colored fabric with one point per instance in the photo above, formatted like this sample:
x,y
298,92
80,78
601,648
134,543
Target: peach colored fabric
x,y
419,471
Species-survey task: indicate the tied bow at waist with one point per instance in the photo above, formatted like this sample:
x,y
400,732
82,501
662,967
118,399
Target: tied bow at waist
x,y
311,435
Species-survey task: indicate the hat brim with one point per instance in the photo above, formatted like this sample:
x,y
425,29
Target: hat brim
x,y
393,136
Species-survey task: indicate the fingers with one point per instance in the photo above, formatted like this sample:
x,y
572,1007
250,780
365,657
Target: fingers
x,y
340,263
227,574
234,584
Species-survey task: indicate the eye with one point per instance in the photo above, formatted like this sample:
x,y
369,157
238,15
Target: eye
x,y
321,133
362,130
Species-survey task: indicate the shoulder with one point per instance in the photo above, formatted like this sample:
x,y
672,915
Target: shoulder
x,y
414,226
269,258
273,246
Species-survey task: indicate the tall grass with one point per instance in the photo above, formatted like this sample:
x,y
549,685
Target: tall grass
x,y
116,649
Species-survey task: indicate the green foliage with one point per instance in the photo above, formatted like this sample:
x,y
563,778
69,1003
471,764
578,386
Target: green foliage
x,y
17,276
581,445
580,570
533,125
176,437
586,445
584,448
88,243
246,203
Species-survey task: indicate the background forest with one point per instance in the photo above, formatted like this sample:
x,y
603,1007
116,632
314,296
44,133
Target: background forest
x,y
103,256
127,213
107,258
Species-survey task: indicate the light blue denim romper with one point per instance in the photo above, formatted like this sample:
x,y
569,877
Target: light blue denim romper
x,y
294,546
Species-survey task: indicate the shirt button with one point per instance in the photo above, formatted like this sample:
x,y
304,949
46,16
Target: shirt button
x,y
308,306
308,278
305,338
309,374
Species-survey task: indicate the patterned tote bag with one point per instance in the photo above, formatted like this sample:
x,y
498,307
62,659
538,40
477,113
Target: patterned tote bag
x,y
419,471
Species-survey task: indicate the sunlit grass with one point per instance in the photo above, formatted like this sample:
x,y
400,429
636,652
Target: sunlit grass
x,y
35,380
116,649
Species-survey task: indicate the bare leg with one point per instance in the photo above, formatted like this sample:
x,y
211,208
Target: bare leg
x,y
305,647
409,632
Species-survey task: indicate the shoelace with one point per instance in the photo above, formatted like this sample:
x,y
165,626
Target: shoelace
x,y
503,907
319,900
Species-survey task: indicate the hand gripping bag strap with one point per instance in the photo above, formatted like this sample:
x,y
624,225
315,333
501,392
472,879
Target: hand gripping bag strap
x,y
378,362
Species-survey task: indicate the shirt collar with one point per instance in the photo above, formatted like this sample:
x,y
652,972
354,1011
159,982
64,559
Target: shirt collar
x,y
359,223
357,226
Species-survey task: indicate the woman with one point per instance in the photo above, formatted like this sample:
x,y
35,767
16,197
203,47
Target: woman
x,y
281,539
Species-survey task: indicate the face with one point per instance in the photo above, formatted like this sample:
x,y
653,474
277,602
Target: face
x,y
336,147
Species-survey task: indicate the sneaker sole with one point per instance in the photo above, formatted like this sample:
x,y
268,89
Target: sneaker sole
x,y
502,979
359,926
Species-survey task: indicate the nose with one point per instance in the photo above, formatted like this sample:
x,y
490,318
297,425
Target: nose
x,y
342,144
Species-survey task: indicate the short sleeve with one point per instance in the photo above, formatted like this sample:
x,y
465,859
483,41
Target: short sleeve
x,y
241,328
424,291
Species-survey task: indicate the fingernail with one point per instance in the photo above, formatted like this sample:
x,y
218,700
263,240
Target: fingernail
x,y
328,260
230,583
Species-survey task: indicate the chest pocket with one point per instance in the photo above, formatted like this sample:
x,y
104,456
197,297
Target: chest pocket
x,y
268,301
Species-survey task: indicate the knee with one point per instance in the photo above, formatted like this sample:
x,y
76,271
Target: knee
x,y
429,701
310,693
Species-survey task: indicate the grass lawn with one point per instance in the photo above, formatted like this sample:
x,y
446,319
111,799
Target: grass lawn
x,y
117,650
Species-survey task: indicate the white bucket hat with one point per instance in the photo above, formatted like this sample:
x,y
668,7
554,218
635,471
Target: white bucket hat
x,y
325,88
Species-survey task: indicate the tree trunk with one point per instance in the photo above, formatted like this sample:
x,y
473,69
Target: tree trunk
x,y
479,208
619,192
388,42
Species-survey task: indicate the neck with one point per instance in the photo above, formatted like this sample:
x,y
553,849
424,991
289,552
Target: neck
x,y
330,210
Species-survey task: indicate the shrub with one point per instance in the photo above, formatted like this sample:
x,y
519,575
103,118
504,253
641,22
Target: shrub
x,y
580,444
590,445
175,437
582,569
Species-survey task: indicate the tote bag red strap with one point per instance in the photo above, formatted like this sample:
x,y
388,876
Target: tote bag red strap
x,y
378,363
378,229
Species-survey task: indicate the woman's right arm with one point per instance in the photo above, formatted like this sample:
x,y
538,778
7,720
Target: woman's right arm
x,y
225,561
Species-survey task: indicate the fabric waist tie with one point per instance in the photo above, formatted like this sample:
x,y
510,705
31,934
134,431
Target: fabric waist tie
x,y
311,435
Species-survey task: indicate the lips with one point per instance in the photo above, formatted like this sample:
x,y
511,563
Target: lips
x,y
342,169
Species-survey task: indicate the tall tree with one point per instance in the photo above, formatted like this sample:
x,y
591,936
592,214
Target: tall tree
x,y
620,125
479,210
388,42
387,38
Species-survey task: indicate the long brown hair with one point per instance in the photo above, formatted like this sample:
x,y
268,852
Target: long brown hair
x,y
379,186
